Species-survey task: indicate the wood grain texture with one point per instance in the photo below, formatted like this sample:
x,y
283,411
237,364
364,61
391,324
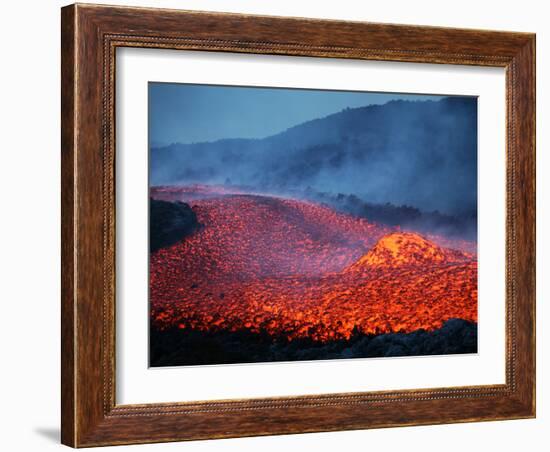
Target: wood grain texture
x,y
90,36
67,226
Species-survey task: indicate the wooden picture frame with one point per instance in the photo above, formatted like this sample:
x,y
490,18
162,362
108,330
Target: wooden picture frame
x,y
90,36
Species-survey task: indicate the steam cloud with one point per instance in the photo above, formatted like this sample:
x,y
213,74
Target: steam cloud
x,y
416,153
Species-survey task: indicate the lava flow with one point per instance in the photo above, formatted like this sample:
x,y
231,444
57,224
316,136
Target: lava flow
x,y
295,269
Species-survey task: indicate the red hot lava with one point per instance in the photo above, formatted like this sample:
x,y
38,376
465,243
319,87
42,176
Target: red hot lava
x,y
296,269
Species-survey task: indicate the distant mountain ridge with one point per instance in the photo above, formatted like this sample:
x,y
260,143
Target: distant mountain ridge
x,y
418,153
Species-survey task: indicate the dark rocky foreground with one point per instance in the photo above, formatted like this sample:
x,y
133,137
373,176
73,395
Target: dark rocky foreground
x,y
176,347
169,222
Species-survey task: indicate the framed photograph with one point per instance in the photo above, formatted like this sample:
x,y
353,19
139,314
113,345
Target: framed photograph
x,y
281,225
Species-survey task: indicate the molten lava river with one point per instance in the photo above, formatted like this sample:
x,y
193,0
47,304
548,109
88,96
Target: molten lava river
x,y
295,269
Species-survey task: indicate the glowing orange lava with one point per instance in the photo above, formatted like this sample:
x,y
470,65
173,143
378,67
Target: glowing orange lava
x,y
297,269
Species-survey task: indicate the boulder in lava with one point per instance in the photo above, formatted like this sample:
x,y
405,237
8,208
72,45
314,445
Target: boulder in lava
x,y
169,222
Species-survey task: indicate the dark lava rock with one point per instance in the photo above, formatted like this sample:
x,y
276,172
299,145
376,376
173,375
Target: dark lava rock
x,y
175,347
170,222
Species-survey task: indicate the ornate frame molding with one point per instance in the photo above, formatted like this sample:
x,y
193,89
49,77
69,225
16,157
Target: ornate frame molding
x,y
90,37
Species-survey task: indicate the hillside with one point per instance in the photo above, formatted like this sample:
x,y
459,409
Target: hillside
x,y
421,154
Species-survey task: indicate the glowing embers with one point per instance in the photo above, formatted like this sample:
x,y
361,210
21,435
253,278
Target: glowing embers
x,y
296,269
406,249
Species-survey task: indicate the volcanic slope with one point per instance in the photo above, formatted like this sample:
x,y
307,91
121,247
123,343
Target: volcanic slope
x,y
294,269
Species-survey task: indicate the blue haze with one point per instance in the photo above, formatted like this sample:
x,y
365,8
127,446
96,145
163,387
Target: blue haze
x,y
413,150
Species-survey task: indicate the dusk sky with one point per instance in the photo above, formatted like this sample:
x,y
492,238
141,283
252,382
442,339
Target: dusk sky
x,y
186,113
